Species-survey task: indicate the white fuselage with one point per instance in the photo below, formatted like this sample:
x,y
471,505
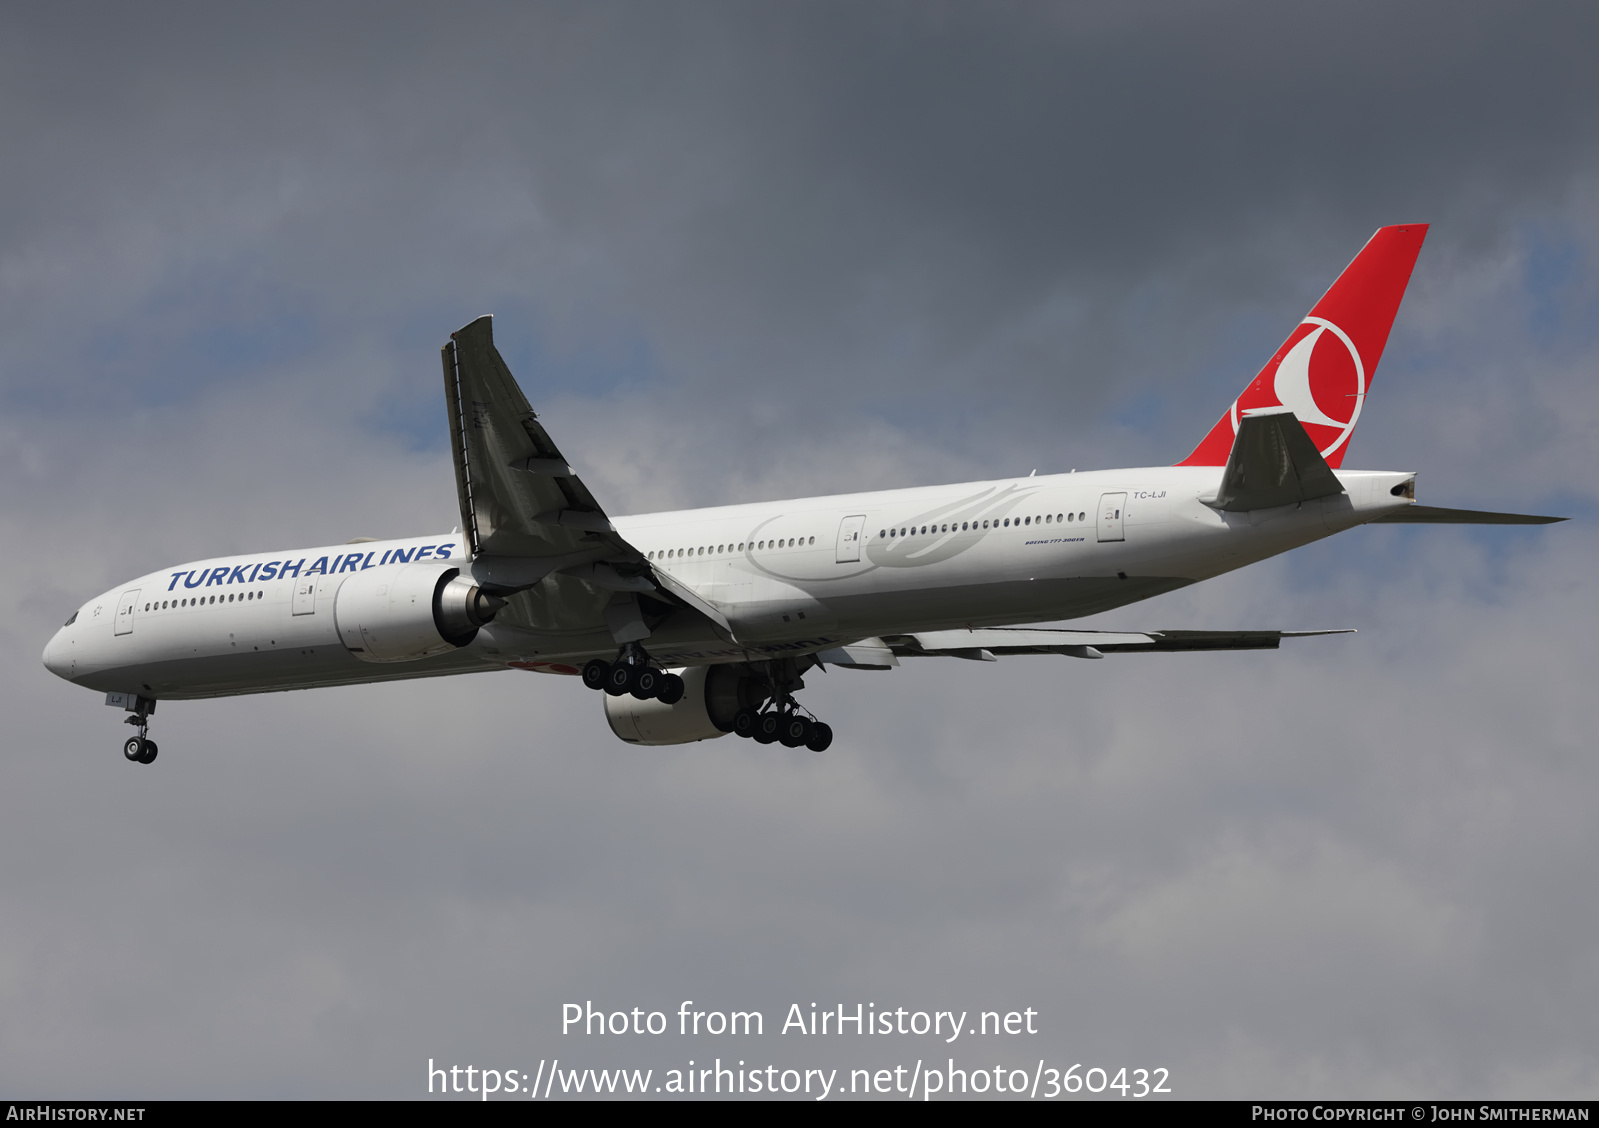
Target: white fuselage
x,y
790,577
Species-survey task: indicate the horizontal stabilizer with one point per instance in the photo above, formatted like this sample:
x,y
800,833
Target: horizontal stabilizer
x,y
1432,515
1273,462
1083,644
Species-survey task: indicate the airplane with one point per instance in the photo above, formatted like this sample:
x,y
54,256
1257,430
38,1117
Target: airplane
x,y
697,623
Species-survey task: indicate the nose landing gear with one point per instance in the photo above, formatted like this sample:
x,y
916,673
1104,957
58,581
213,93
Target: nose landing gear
x,y
140,749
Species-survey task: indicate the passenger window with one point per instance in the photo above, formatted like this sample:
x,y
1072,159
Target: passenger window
x,y
147,607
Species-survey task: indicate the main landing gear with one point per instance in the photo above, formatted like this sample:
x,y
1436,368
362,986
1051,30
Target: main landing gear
x,y
140,749
632,673
784,725
770,715
752,699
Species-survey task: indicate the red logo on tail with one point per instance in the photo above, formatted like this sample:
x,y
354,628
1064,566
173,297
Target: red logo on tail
x,y
1324,368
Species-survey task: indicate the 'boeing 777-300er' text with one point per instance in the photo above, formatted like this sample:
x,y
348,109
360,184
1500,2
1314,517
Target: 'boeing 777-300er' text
x,y
702,622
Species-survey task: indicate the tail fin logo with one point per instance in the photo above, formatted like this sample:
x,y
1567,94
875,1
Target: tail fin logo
x,y
1320,378
1324,369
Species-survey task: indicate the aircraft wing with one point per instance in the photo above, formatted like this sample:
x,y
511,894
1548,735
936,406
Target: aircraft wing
x,y
536,533
988,645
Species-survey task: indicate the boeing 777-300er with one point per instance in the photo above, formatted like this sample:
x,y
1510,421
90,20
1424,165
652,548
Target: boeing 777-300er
x,y
702,622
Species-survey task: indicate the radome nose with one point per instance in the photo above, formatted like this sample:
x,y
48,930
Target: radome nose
x,y
56,658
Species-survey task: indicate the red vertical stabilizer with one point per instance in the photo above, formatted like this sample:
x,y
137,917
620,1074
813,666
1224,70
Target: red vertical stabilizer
x,y
1324,368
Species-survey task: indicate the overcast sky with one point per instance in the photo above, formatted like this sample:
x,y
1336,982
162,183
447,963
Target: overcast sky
x,y
739,252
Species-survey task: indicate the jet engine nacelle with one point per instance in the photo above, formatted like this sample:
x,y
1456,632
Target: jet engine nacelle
x,y
403,612
711,697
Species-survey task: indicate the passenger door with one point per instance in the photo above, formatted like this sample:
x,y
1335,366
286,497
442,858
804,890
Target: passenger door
x,y
305,597
1111,508
849,538
125,607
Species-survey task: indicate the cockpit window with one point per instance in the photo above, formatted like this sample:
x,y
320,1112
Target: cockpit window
x,y
72,620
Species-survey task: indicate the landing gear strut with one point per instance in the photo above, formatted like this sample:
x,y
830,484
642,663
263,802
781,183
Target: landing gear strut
x,y
757,696
779,719
140,749
633,673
